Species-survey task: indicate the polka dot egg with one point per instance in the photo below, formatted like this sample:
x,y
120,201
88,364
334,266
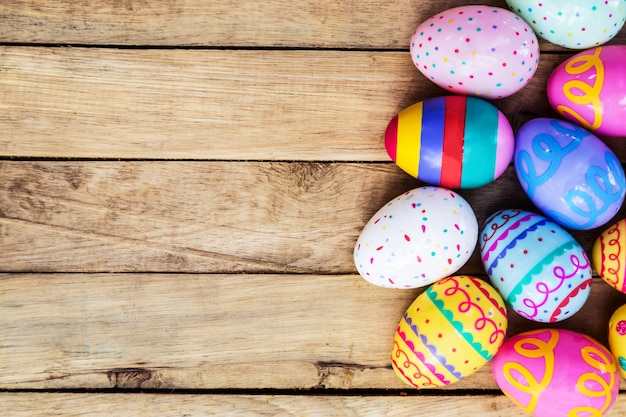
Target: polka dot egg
x,y
574,24
416,239
476,50
449,332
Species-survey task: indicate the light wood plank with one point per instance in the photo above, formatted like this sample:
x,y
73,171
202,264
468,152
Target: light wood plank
x,y
218,331
216,217
276,23
227,105
196,405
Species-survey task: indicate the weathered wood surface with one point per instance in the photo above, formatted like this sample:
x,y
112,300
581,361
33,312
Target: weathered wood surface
x,y
148,405
216,217
367,24
180,193
214,104
171,331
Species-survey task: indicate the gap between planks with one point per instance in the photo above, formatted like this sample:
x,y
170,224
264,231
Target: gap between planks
x,y
173,405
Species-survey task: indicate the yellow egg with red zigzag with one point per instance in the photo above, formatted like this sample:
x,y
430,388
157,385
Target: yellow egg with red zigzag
x,y
449,332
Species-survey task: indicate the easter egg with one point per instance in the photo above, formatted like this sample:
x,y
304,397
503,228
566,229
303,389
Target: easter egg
x,y
449,332
557,373
570,174
617,338
574,24
608,255
416,239
453,141
540,270
590,89
476,50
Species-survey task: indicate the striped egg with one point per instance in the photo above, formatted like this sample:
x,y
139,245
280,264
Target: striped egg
x,y
449,332
608,255
540,270
451,141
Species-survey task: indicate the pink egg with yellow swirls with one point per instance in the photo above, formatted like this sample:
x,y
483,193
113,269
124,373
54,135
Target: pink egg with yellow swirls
x,y
589,89
557,372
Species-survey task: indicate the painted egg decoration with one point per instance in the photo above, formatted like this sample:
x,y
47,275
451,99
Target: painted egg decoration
x,y
608,255
617,338
540,270
574,24
452,141
590,89
476,50
569,173
557,373
416,239
449,332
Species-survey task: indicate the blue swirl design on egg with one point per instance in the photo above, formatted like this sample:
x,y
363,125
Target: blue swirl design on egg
x,y
599,182
546,148
569,173
622,362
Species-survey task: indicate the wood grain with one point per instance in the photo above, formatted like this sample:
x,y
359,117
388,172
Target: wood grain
x,y
150,331
364,24
181,187
194,405
219,105
216,217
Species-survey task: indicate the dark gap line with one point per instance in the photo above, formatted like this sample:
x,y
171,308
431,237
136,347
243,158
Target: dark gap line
x,y
200,47
334,392
268,272
223,47
72,159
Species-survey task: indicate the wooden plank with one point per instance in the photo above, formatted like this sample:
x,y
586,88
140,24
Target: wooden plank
x,y
196,405
217,217
277,23
226,105
237,331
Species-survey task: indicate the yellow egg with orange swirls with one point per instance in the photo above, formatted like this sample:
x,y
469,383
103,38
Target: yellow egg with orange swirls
x,y
450,331
557,373
589,89
608,255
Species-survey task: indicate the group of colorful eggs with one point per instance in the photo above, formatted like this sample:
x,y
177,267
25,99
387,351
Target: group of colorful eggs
x,y
535,267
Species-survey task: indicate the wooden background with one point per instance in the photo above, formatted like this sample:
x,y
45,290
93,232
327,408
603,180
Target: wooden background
x,y
181,186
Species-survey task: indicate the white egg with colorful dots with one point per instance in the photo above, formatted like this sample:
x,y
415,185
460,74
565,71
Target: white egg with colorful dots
x,y
419,237
476,50
574,24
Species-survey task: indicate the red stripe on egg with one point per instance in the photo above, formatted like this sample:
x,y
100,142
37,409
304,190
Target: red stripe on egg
x,y
453,134
391,138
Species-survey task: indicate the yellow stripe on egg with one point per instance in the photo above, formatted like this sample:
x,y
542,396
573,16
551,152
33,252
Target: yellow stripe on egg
x,y
409,138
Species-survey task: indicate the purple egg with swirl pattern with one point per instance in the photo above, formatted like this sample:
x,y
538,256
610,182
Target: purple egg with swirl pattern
x,y
568,173
540,270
